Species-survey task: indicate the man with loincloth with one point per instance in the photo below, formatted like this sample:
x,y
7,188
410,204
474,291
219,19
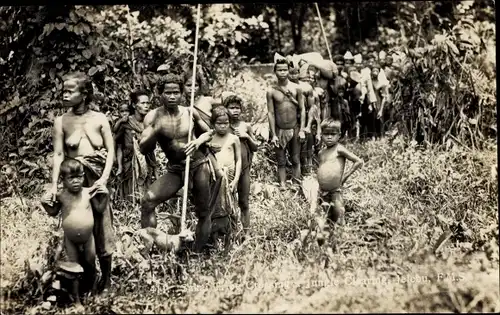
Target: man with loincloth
x,y
169,126
85,135
284,103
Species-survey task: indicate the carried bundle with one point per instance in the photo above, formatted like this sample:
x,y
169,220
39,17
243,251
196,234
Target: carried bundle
x,y
327,68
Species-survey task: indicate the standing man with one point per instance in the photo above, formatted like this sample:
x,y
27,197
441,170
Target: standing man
x,y
311,108
285,101
168,126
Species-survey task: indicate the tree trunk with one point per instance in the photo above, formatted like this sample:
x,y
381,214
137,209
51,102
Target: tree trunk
x,y
279,31
297,22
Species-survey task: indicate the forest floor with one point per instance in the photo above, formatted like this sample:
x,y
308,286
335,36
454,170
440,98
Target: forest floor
x,y
386,258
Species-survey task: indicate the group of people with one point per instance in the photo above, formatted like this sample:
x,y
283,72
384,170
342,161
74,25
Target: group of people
x,y
367,82
84,143
313,104
309,90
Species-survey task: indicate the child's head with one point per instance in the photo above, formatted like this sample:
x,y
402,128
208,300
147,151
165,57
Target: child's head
x,y
233,104
220,120
124,110
72,174
293,74
330,129
200,84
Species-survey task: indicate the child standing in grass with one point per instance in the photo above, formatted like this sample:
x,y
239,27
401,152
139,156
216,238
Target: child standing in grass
x,y
228,159
76,203
249,145
227,145
331,175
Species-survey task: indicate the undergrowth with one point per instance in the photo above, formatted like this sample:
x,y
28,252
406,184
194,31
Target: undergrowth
x,y
389,256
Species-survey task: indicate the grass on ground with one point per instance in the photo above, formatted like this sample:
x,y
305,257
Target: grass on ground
x,y
400,206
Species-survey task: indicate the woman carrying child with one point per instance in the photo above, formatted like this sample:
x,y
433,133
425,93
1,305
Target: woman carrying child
x,y
136,170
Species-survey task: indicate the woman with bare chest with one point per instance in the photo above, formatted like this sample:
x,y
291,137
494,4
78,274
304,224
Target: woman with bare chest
x,y
85,135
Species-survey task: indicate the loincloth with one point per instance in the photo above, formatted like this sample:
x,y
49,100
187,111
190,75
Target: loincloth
x,y
285,136
93,164
180,168
333,198
226,201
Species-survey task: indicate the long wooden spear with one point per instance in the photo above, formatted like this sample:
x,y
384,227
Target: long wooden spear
x,y
323,31
191,109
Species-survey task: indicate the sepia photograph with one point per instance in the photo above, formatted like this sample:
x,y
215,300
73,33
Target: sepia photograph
x,y
300,157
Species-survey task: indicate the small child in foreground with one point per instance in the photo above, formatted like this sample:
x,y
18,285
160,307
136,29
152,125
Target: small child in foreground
x,y
331,175
77,220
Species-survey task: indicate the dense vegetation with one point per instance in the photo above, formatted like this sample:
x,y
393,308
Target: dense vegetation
x,y
426,207
446,90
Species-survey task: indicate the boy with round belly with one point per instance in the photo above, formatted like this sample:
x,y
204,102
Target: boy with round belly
x,y
331,175
77,218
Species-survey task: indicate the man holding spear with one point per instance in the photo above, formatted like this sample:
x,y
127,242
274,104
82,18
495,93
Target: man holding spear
x,y
169,126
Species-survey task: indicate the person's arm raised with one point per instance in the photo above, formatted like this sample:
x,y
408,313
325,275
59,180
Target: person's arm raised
x,y
348,155
148,136
58,143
